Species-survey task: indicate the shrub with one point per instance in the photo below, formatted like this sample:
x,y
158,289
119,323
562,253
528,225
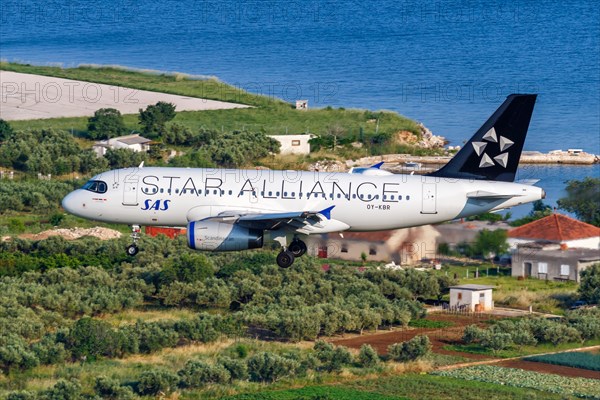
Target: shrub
x,y
56,218
108,388
269,367
368,357
332,358
558,333
197,373
523,337
411,350
155,381
497,340
21,395
472,334
63,390
15,353
92,337
238,370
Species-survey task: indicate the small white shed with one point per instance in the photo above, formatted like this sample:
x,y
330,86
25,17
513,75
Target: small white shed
x,y
293,144
471,297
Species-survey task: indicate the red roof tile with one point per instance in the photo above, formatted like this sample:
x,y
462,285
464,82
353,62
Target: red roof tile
x,y
555,227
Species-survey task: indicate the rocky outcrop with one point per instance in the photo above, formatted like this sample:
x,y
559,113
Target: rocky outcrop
x,y
429,140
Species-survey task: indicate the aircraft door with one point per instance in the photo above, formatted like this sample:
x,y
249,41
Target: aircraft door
x,y
429,199
130,189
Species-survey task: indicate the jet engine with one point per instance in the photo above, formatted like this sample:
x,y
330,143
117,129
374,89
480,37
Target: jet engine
x,y
219,236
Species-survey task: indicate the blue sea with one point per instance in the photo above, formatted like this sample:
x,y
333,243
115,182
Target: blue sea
x,y
447,64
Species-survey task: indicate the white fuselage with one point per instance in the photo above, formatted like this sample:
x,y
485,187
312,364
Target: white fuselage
x,y
174,196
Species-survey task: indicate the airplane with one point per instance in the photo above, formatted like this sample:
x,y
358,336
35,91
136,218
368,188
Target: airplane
x,y
233,209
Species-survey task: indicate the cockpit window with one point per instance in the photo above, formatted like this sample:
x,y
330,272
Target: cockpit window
x,y
95,186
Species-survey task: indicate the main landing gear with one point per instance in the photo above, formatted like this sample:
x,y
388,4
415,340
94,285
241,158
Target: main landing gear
x,y
132,249
286,257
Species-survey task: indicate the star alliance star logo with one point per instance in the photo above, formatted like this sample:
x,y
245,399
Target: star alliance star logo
x,y
491,137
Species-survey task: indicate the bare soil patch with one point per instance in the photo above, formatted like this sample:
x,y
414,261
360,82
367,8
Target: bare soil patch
x,y
439,337
75,233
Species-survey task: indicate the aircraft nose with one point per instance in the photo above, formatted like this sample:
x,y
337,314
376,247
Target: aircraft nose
x,y
71,203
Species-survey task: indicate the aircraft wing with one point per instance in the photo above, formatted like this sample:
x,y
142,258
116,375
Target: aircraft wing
x,y
300,221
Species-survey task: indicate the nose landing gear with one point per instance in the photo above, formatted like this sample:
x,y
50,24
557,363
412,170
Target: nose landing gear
x,y
132,249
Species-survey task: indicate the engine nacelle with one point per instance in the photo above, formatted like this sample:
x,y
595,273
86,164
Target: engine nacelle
x,y
219,236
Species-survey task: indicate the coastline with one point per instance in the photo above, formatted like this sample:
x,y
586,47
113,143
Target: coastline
x,y
564,158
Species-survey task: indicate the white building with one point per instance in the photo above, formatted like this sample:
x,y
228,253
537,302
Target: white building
x,y
135,143
293,144
470,297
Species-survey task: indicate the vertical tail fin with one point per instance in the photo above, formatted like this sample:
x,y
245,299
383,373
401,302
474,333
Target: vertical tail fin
x,y
494,151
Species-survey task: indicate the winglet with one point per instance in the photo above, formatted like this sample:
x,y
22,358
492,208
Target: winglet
x,y
377,166
327,212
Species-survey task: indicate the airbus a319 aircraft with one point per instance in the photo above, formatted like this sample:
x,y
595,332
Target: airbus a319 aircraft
x,y
232,209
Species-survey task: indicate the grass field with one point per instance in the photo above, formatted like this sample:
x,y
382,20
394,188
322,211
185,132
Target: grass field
x,y
544,296
270,114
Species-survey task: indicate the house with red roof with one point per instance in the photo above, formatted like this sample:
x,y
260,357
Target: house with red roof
x,y
555,247
559,229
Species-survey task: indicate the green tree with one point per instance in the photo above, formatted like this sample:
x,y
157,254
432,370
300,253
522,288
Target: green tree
x,y
154,117
5,130
490,243
368,357
496,340
539,210
105,124
124,158
583,199
589,288
411,350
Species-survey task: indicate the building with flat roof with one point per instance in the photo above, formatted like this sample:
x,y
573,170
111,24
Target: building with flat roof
x,y
471,297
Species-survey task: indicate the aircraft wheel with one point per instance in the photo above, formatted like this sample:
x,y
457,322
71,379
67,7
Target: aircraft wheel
x,y
298,248
285,259
132,250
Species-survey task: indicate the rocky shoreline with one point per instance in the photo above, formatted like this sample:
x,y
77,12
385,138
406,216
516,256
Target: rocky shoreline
x,y
398,162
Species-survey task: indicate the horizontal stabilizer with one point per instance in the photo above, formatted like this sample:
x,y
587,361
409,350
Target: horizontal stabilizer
x,y
529,182
483,195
